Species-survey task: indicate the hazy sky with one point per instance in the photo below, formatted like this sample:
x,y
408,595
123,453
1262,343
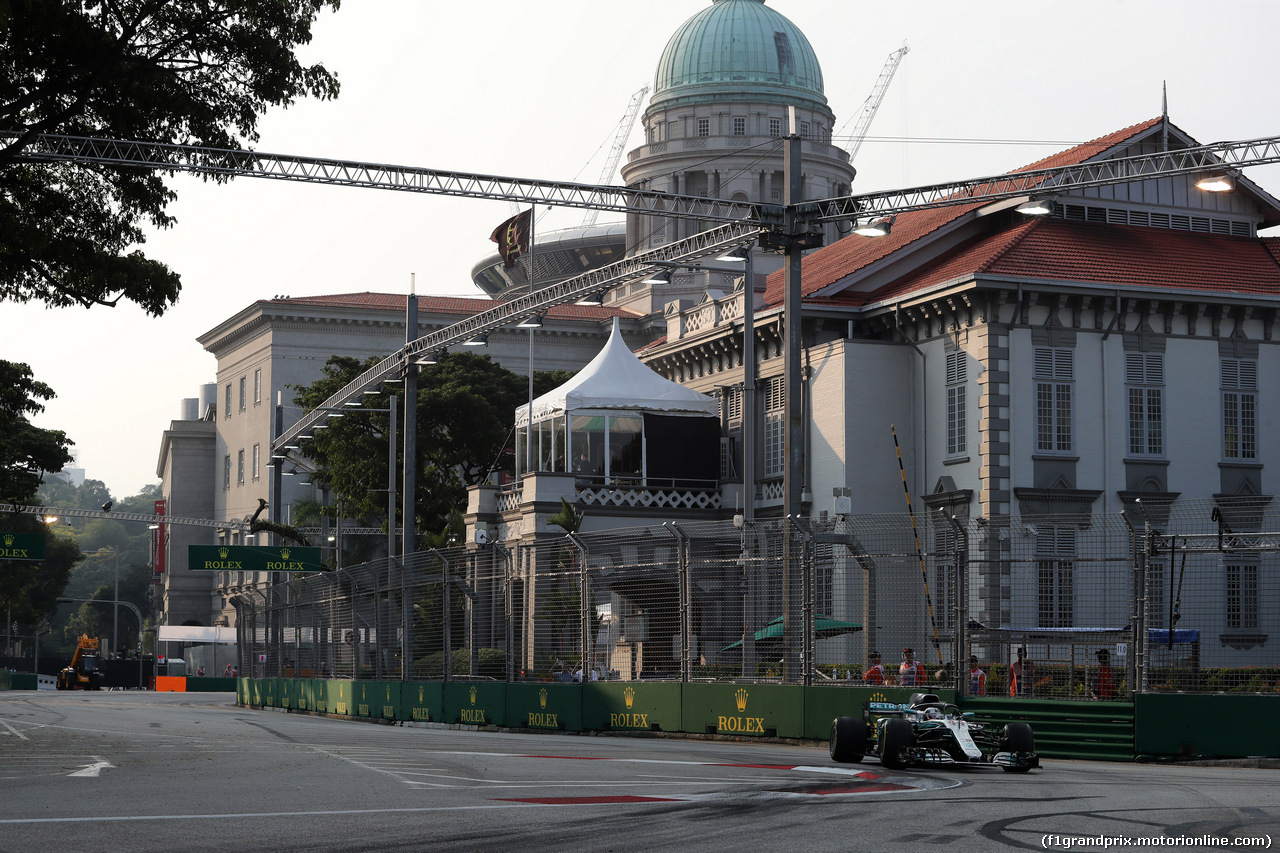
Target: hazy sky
x,y
525,89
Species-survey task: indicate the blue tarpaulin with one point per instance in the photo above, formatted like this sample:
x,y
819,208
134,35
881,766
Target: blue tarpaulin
x,y
1180,635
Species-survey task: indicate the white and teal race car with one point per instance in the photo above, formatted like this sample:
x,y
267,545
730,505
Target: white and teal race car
x,y
927,732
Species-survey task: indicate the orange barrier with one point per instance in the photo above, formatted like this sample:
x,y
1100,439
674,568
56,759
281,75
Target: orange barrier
x,y
171,684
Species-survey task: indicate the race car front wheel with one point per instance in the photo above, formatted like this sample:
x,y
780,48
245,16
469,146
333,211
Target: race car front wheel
x,y
848,739
895,739
1018,739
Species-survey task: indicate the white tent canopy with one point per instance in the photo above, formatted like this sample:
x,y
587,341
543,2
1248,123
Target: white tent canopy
x,y
195,634
616,380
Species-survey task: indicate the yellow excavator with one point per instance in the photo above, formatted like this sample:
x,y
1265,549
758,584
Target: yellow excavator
x,y
85,672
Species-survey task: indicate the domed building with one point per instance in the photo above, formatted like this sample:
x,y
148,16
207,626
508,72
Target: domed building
x,y
725,85
722,92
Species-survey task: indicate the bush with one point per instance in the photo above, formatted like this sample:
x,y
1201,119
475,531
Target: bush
x,y
492,664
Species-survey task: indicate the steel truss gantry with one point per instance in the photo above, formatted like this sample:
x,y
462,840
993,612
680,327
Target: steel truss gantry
x,y
67,512
713,242
351,173
1215,157
789,227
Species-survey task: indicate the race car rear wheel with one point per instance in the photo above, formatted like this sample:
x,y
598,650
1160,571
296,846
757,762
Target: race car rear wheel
x,y
848,739
895,739
1018,738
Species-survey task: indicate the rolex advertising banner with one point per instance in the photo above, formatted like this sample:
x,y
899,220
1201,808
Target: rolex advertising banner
x,y
21,546
253,558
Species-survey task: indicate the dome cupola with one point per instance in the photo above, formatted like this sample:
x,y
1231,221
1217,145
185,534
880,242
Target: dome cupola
x,y
738,50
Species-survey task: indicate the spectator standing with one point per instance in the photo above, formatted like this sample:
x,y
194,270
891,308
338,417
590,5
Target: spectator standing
x,y
875,669
1104,683
910,672
1022,675
977,678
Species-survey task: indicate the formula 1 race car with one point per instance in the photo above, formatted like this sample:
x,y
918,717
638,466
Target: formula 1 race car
x,y
930,733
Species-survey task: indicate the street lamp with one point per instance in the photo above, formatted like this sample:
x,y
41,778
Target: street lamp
x,y
115,611
128,604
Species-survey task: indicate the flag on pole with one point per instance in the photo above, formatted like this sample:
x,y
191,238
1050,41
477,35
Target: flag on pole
x,y
512,237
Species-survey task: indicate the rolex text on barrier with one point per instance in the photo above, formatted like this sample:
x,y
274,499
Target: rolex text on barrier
x,y
253,558
21,546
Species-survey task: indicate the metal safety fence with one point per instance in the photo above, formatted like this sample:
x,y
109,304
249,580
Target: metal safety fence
x,y
1164,596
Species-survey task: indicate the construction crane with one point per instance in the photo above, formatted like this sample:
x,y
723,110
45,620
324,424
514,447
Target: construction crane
x,y
872,104
619,144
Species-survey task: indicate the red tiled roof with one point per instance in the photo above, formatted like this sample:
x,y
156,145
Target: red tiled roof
x,y
1120,255
828,265
442,305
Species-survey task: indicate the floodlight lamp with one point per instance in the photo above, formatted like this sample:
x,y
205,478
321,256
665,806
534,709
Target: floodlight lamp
x,y
106,507
478,341
1218,182
292,446
874,227
659,277
1036,207
50,519
533,321
596,298
736,256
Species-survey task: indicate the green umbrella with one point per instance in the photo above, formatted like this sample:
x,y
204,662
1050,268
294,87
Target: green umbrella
x,y
823,626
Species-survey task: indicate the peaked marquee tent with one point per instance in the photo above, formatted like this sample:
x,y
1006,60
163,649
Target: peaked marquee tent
x,y
620,422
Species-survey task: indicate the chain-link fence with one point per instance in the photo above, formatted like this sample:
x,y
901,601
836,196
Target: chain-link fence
x,y
1165,596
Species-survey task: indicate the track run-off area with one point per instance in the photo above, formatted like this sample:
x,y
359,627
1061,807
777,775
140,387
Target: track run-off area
x,y
119,770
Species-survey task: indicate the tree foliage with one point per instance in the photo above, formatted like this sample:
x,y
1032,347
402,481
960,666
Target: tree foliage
x,y
29,589
93,545
466,410
183,71
25,450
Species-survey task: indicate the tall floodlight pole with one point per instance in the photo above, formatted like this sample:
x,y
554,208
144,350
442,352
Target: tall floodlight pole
x,y
115,609
749,388
528,438
408,503
793,436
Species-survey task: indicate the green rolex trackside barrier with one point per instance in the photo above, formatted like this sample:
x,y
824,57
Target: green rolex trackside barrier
x,y
475,703
631,706
748,710
544,705
422,701
1153,725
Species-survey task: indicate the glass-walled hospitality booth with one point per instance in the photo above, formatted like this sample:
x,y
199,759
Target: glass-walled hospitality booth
x,y
618,422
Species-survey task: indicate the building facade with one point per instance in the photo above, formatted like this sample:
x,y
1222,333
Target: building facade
x,y
1113,351
215,464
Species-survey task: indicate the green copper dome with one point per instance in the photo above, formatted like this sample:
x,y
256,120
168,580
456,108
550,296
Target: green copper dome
x,y
738,50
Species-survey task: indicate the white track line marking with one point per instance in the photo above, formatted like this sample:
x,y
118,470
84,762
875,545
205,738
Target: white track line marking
x,y
94,769
12,731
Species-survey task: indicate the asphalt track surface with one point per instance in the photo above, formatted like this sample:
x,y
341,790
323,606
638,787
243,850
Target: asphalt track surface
x,y
126,771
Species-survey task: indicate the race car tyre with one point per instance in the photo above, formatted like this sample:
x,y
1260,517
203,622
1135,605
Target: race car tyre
x,y
1018,738
848,739
895,739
